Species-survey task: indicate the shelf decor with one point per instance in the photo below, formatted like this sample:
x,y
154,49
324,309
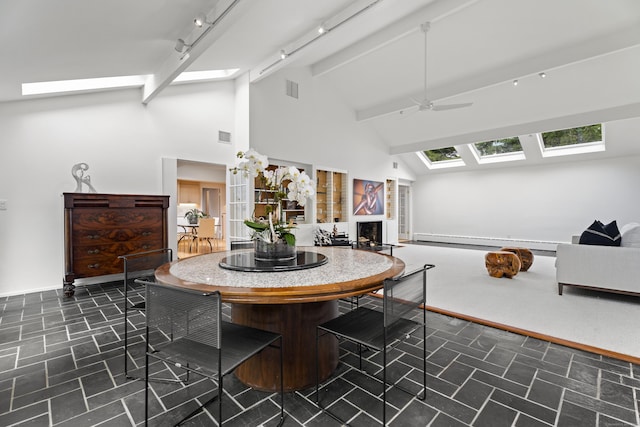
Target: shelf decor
x,y
272,235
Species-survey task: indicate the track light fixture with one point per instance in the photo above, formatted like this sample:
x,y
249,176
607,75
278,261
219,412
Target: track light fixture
x,y
200,20
181,45
322,30
542,75
515,82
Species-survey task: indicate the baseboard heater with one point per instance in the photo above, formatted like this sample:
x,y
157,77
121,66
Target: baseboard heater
x,y
486,241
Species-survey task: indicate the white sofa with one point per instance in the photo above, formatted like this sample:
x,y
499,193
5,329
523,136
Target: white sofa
x,y
606,268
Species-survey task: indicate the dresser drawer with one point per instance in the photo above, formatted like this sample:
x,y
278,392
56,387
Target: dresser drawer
x,y
98,236
105,260
115,250
92,218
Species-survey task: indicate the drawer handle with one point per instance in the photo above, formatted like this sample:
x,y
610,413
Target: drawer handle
x,y
146,233
93,251
146,246
93,265
93,236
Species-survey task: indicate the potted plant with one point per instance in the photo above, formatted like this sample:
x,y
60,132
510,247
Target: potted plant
x,y
193,215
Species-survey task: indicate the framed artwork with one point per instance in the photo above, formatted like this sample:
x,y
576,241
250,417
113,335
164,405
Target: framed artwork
x,y
368,197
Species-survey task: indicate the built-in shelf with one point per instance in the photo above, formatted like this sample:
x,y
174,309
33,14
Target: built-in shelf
x,y
264,197
331,191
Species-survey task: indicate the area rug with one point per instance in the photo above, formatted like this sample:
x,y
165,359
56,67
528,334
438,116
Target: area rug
x,y
529,301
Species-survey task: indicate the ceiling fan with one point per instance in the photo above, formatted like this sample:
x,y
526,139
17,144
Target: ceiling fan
x,y
425,104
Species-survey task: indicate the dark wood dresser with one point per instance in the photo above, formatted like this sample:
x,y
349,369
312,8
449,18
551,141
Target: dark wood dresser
x,y
98,228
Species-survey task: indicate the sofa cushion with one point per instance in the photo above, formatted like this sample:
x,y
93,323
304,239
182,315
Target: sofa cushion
x,y
600,234
630,235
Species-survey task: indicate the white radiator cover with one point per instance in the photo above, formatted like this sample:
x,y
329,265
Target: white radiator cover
x,y
487,241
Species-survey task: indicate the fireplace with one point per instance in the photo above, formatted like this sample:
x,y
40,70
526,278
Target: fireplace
x,y
369,233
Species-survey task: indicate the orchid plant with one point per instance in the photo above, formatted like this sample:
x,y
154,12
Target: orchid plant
x,y
299,188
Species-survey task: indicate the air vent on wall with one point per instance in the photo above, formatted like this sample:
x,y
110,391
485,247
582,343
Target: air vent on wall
x,y
395,165
224,137
292,89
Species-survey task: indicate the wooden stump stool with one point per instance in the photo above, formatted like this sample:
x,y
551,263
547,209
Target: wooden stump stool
x,y
502,264
524,254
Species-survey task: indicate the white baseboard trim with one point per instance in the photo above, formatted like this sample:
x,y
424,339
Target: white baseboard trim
x,y
488,241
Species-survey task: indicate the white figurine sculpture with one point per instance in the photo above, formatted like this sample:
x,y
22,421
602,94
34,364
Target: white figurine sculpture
x,y
78,174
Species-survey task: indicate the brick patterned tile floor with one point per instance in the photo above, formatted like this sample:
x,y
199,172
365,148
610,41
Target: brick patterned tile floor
x,y
61,364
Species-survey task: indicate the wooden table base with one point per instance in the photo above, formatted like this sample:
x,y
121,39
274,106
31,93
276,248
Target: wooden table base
x,y
297,324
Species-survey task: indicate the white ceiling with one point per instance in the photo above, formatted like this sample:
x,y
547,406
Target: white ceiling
x,y
589,49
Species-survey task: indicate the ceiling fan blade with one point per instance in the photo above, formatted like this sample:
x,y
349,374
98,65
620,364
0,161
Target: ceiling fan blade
x,y
443,107
403,114
425,104
418,101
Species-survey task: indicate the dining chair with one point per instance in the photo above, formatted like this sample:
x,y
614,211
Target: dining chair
x,y
136,265
381,331
207,231
186,333
183,234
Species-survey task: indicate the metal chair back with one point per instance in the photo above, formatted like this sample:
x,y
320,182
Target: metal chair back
x,y
403,294
185,331
137,265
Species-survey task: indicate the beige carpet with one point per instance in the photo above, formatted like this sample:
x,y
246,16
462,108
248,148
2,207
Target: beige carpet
x,y
529,301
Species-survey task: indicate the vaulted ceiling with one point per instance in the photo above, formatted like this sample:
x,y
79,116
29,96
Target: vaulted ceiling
x,y
372,55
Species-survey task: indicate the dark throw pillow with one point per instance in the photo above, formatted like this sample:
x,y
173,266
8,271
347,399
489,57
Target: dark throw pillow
x,y
600,234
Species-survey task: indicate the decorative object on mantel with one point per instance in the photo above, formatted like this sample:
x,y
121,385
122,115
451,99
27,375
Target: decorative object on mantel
x,y
193,215
78,171
272,235
321,237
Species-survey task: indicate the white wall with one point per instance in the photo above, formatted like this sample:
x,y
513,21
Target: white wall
x,y
124,143
318,129
548,203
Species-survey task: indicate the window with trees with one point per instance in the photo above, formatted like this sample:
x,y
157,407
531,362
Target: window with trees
x,y
442,154
441,158
578,140
498,146
573,136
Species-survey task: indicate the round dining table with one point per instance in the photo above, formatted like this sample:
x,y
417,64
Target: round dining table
x,y
291,303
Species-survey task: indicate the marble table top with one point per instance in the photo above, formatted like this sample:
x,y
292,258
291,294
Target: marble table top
x,y
344,265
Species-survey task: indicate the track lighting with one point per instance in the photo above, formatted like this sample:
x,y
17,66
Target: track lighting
x,y
200,20
515,82
321,30
181,45
542,75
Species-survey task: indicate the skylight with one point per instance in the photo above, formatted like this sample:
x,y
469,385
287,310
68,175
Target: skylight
x,y
120,82
82,85
499,150
584,139
192,76
446,157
